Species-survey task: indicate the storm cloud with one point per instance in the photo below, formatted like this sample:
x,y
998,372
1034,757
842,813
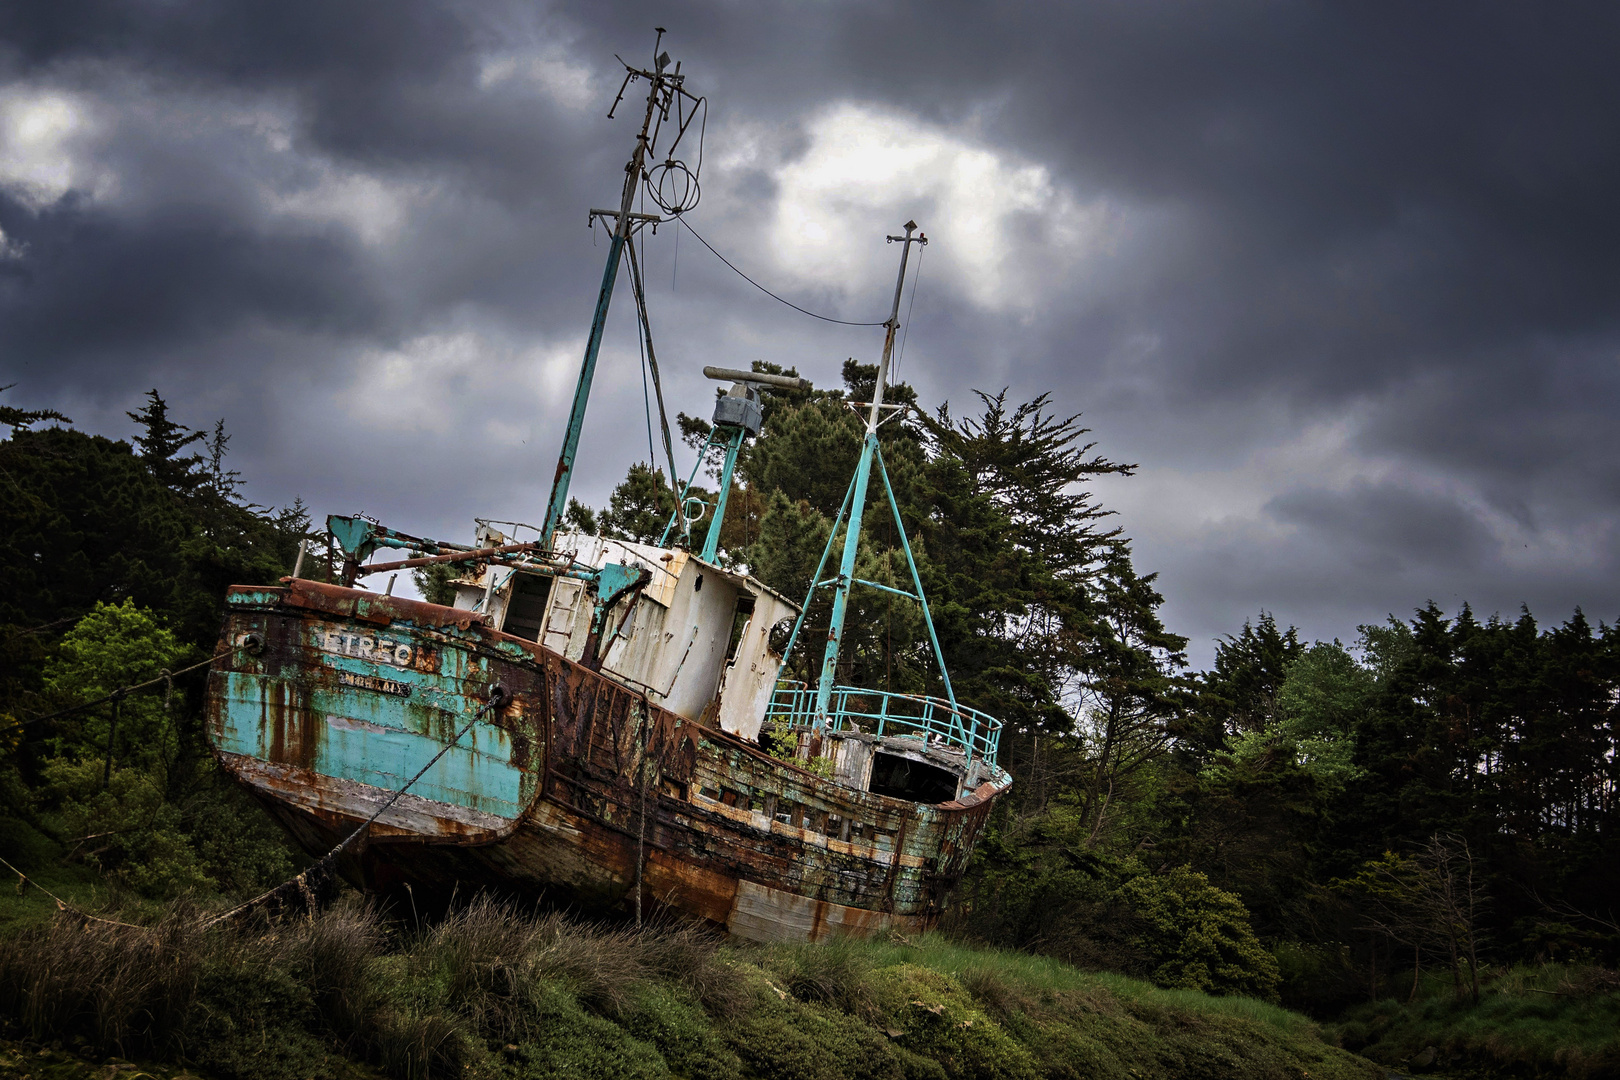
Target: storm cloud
x,y
1343,279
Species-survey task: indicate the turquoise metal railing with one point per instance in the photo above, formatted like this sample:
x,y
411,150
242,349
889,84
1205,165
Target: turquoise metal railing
x,y
882,712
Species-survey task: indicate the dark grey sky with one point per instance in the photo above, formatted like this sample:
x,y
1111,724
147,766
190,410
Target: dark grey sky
x,y
1342,279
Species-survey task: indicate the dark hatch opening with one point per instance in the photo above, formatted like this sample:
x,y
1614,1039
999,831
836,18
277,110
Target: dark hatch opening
x,y
527,609
739,623
902,778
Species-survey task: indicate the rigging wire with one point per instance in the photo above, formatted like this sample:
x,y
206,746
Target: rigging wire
x,y
323,867
117,694
916,283
639,288
767,292
646,398
641,346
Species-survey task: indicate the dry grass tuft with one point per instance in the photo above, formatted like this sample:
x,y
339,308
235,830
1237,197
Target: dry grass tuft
x,y
335,954
122,988
484,956
689,955
837,973
416,1044
493,960
995,992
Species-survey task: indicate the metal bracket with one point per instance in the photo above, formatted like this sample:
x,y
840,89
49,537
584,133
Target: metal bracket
x,y
645,219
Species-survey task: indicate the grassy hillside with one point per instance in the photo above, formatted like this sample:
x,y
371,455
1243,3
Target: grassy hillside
x,y
490,993
1548,1020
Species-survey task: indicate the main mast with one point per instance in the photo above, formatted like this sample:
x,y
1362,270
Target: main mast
x,y
664,89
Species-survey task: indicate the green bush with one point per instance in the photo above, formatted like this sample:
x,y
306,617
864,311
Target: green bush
x,y
1199,936
162,820
1037,886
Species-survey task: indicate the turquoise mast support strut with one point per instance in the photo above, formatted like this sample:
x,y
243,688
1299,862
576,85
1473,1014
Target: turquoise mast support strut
x,y
916,583
737,415
846,574
679,516
863,472
663,85
815,579
582,394
711,543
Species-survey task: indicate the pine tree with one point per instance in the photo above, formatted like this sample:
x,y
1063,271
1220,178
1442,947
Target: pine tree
x,y
162,440
1126,666
640,507
222,481
21,419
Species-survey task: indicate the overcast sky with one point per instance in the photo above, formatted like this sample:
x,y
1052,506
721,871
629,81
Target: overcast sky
x,y
1342,279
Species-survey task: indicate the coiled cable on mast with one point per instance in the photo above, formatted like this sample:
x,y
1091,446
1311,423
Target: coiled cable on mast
x,y
673,187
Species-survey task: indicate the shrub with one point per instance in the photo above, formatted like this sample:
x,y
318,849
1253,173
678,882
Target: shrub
x,y
1199,936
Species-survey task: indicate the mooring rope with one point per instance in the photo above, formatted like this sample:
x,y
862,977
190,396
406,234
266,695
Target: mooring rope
x,y
121,692
62,904
305,883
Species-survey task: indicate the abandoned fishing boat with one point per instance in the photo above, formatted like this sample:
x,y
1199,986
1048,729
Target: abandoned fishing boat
x,y
605,722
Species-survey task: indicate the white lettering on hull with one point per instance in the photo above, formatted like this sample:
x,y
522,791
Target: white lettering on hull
x,y
365,647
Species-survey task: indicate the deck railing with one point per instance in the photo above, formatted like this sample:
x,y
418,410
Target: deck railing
x,y
883,712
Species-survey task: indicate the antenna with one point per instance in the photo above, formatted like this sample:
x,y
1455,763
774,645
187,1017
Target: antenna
x,y
892,325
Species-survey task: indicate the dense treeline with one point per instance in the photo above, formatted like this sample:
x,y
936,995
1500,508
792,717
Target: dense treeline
x,y
1319,822
114,559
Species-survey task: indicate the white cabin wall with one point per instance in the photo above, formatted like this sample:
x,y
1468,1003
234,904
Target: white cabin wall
x,y
632,654
567,608
692,675
750,678
470,593
659,650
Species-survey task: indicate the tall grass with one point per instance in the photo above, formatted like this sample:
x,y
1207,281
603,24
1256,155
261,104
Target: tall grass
x,y
492,990
493,959
416,1005
1543,1020
116,985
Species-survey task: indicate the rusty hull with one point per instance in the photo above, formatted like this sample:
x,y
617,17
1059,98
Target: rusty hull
x,y
578,787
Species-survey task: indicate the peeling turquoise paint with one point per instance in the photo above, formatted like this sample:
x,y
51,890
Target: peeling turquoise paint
x,y
315,719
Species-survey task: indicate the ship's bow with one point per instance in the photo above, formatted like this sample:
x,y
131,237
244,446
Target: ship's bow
x,y
329,701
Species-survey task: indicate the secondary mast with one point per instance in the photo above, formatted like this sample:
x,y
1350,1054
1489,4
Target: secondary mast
x,y
857,503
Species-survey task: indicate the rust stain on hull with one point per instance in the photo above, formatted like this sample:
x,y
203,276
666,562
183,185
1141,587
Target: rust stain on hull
x,y
579,787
